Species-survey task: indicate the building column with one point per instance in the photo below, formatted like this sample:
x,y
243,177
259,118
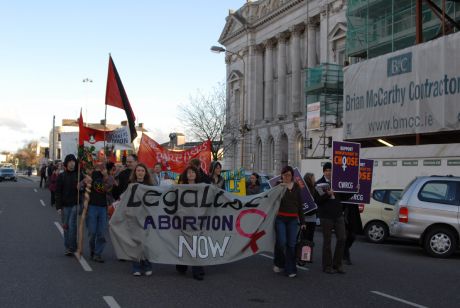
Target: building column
x,y
281,97
311,43
295,69
324,35
268,79
259,83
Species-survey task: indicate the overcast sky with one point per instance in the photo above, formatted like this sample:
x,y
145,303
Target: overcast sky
x,y
160,48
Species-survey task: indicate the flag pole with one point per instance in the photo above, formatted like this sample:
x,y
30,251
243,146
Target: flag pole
x,y
105,127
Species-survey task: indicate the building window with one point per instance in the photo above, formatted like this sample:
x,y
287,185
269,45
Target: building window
x,y
58,154
59,137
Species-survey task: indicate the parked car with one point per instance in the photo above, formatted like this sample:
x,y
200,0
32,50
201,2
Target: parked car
x,y
378,214
428,212
8,174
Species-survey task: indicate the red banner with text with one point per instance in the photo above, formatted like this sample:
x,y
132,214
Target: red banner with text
x,y
151,152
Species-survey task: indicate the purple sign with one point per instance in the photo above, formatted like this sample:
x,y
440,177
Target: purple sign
x,y
308,203
366,168
345,166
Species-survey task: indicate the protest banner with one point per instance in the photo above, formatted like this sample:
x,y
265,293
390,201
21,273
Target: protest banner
x,y
308,203
366,167
195,224
150,152
235,181
345,166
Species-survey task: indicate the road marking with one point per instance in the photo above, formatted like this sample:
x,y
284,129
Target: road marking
x,y
59,227
35,190
42,202
270,257
398,299
80,259
111,302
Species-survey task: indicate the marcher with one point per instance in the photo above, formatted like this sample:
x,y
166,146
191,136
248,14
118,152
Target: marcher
x,y
142,176
66,195
253,187
156,175
289,215
190,176
201,175
42,175
52,185
214,174
122,179
310,217
97,210
353,226
330,212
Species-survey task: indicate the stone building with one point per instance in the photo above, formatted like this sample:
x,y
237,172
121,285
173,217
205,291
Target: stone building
x,y
269,45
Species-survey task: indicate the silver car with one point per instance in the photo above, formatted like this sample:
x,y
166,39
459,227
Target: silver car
x,y
428,211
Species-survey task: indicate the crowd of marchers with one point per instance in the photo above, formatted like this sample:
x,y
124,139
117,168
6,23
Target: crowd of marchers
x,y
107,182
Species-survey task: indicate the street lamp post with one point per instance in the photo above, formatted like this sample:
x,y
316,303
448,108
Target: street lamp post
x,y
243,127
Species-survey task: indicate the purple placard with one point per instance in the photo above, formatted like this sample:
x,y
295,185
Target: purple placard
x,y
366,169
308,203
345,166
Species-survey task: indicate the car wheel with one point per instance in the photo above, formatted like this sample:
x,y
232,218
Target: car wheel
x,y
376,232
440,243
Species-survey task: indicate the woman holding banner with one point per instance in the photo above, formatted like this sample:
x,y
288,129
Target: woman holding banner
x,y
214,173
191,176
142,176
289,215
253,187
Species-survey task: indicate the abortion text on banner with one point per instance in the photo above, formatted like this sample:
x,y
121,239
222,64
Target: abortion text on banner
x,y
150,152
366,169
235,181
345,166
193,224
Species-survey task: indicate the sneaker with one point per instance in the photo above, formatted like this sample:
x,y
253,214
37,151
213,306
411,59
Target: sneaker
x,y
277,269
329,270
98,258
339,270
148,273
292,275
68,252
137,274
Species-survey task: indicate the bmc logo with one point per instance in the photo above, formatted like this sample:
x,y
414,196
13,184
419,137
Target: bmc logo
x,y
399,65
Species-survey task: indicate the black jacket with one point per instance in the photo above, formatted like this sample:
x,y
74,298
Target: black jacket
x,y
66,189
123,182
330,208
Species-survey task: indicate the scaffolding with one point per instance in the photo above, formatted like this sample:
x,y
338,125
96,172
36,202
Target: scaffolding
x,y
324,84
377,27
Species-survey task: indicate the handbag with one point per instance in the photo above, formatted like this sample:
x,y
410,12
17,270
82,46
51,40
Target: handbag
x,y
304,250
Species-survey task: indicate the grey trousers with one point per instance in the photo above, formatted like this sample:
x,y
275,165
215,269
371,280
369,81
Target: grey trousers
x,y
337,224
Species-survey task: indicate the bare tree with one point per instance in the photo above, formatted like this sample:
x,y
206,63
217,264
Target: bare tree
x,y
205,117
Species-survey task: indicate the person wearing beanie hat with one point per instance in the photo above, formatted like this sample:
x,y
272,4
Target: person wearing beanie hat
x,y
66,195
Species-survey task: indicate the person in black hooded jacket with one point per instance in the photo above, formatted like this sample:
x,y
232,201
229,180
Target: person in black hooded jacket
x,y
67,201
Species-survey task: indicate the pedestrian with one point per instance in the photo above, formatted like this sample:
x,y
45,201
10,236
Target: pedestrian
x,y
253,187
141,175
353,226
97,209
156,174
310,217
122,179
190,176
66,195
42,175
52,185
201,175
290,214
214,174
49,172
330,211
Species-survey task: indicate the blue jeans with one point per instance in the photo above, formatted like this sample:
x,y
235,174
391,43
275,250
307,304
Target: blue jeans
x,y
142,266
96,223
286,238
69,221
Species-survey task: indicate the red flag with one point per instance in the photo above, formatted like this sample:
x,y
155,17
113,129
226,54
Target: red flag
x,y
150,152
115,96
89,135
